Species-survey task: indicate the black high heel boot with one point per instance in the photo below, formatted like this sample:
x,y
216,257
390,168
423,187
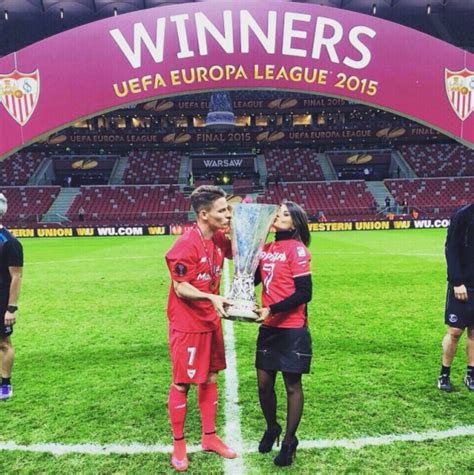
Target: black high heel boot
x,y
287,453
269,438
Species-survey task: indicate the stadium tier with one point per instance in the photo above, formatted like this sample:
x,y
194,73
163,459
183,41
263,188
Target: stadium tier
x,y
129,205
433,196
152,167
439,160
26,204
348,200
299,164
289,177
18,168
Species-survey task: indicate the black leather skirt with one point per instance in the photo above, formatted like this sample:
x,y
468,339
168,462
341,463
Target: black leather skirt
x,y
284,349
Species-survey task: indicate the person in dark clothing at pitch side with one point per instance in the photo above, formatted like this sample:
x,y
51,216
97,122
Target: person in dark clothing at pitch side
x,y
459,311
11,263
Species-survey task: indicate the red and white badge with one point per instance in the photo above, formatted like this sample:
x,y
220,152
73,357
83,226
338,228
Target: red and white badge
x,y
19,93
460,91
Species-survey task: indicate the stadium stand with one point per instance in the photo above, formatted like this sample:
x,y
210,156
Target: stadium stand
x,y
436,197
201,181
439,160
243,185
349,200
26,204
17,169
293,165
130,205
152,167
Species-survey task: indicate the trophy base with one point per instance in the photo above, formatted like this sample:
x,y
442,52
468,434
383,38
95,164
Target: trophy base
x,y
241,314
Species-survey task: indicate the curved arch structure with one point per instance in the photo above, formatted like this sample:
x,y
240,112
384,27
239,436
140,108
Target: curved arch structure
x,y
195,47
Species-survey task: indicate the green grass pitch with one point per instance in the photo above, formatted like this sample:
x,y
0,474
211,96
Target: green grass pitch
x,y
92,360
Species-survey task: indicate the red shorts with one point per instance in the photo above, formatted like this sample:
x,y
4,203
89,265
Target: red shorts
x,y
195,355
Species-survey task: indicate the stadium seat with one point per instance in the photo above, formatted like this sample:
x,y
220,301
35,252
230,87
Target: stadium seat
x,y
124,204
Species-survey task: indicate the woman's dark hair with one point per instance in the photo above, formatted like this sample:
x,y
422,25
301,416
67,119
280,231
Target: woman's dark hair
x,y
300,221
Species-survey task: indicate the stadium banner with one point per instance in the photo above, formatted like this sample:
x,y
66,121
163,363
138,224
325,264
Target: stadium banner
x,y
213,164
187,48
204,136
380,225
299,103
90,231
101,163
178,229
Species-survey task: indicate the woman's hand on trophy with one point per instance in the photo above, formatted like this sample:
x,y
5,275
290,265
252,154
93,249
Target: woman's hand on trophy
x,y
220,303
263,314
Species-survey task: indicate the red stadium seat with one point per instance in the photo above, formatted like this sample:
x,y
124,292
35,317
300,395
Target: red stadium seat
x,y
152,167
437,160
124,204
342,199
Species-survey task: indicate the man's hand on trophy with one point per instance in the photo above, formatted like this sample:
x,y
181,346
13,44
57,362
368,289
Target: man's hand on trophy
x,y
220,303
263,314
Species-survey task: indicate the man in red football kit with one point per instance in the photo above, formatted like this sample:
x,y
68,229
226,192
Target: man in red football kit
x,y
194,310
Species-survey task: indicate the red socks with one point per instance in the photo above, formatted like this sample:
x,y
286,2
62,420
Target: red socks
x,y
207,400
177,411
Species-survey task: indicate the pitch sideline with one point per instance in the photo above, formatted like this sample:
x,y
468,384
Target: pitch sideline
x,y
130,449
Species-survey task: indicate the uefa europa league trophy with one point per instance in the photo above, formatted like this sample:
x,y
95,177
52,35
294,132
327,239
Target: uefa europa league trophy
x,y
250,225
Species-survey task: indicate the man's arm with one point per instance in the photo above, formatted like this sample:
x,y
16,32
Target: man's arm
x,y
15,285
185,290
453,246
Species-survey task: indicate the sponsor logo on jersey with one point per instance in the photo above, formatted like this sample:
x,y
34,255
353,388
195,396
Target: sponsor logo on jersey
x,y
203,276
453,318
300,251
273,256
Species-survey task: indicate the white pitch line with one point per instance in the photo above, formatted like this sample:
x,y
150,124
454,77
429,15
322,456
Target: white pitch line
x,y
386,254
352,444
388,439
232,430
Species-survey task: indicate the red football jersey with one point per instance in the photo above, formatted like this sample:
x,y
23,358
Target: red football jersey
x,y
188,261
280,262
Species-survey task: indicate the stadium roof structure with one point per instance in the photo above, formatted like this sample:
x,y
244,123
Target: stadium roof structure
x,y
23,22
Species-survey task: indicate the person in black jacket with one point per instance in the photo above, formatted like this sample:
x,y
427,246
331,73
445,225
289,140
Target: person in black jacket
x,y
459,310
11,264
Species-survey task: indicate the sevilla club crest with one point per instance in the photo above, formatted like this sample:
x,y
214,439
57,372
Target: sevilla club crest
x,y
460,90
19,94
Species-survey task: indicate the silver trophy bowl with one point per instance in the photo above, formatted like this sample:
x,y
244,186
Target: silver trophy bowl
x,y
250,225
